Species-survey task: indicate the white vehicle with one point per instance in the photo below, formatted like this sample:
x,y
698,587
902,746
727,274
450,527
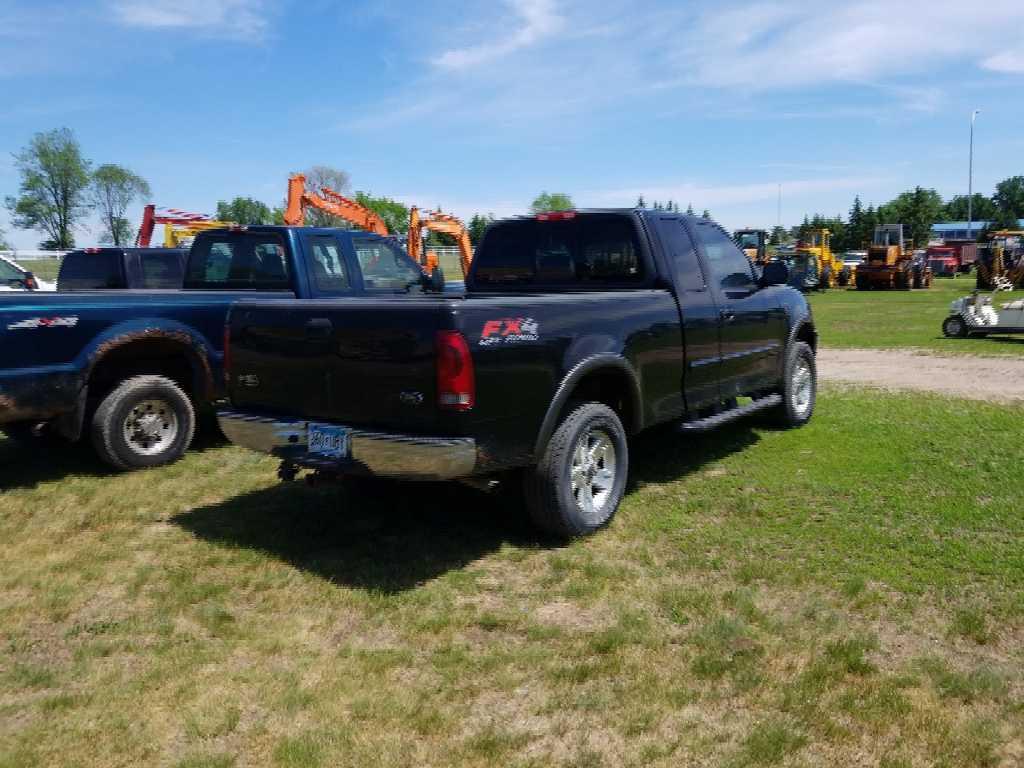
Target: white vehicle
x,y
974,315
14,277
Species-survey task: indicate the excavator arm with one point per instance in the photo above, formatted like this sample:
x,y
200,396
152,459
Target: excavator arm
x,y
328,201
444,224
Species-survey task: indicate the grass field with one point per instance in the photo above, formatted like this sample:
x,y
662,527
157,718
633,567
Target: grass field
x,y
44,269
824,596
902,319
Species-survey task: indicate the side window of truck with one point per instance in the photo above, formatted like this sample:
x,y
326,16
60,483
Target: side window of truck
x,y
682,255
730,267
238,261
327,265
385,266
160,270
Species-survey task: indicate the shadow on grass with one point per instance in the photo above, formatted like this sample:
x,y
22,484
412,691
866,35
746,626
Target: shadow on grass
x,y
390,537
26,464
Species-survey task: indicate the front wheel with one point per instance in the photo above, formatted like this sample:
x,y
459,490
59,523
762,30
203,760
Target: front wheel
x,y
954,327
800,386
580,480
145,421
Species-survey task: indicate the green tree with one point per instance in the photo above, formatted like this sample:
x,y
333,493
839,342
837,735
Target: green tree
x,y
478,224
706,214
982,208
854,235
689,209
244,210
52,195
551,201
778,236
640,203
394,214
112,189
1009,199
917,209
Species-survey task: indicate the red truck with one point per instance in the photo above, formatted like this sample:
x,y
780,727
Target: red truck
x,y
951,259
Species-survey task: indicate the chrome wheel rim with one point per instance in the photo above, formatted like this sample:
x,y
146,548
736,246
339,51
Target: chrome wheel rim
x,y
150,427
954,326
593,474
803,388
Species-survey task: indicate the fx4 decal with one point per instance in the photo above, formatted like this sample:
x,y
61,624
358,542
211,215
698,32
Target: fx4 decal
x,y
44,322
506,330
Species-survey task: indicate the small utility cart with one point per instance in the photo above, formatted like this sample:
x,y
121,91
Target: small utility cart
x,y
974,315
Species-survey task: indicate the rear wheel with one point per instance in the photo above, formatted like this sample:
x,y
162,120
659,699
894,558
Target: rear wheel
x,y
578,484
954,327
145,421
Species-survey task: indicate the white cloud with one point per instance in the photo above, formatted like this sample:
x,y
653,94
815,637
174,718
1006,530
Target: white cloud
x,y
1007,61
802,43
539,20
230,19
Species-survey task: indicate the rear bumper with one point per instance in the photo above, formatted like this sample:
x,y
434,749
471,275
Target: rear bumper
x,y
387,454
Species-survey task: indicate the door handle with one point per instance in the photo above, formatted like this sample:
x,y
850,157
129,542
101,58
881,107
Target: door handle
x,y
319,328
727,315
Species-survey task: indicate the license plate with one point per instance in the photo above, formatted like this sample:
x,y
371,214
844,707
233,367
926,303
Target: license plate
x,y
328,440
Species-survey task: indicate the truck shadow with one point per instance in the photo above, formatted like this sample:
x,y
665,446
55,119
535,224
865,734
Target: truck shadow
x,y
26,465
392,537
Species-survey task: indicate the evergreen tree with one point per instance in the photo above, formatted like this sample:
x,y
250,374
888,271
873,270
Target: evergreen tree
x,y
706,214
640,203
689,209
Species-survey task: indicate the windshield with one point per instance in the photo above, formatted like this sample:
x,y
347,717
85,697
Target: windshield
x,y
9,272
748,240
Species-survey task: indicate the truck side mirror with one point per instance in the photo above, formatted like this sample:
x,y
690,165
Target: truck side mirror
x,y
774,273
30,281
434,282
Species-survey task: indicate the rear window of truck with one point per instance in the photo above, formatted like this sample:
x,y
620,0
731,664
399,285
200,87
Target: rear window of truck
x,y
81,271
238,261
161,269
586,250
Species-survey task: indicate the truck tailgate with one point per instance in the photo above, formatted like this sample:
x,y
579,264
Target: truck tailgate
x,y
353,361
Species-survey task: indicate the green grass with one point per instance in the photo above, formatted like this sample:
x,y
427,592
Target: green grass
x,y
902,319
765,597
44,269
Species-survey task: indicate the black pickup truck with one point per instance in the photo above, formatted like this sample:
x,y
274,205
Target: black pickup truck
x,y
92,269
577,330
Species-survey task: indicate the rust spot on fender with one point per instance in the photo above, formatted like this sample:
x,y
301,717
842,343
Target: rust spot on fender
x,y
196,352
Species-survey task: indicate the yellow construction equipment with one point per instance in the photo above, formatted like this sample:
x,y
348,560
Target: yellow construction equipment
x,y
890,263
1001,264
178,225
815,267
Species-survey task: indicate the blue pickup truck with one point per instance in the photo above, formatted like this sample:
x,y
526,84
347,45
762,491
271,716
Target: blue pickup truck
x,y
130,368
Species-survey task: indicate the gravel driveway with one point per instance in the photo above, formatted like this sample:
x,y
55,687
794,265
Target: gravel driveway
x,y
997,379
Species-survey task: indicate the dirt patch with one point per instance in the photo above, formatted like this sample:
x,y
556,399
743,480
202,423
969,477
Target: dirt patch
x,y
993,379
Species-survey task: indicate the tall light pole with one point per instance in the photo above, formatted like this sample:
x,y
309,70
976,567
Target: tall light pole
x,y
970,177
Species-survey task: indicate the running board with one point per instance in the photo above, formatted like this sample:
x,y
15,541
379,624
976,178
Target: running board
x,y
711,422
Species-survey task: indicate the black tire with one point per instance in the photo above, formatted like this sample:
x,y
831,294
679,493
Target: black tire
x,y
954,327
555,505
862,283
799,386
154,441
844,277
825,281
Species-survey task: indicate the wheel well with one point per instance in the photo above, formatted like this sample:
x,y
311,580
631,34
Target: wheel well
x,y
612,387
161,357
807,334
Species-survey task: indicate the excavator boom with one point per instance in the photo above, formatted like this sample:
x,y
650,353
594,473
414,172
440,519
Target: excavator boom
x,y
329,201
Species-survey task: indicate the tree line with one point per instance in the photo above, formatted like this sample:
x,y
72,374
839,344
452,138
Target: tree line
x,y
918,209
60,188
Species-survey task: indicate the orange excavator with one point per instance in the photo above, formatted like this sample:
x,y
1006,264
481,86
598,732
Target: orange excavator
x,y
329,201
444,224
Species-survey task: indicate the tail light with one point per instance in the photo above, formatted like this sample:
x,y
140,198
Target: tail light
x,y
456,383
227,354
556,215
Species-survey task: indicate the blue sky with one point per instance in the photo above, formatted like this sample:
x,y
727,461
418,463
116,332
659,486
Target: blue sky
x,y
479,106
